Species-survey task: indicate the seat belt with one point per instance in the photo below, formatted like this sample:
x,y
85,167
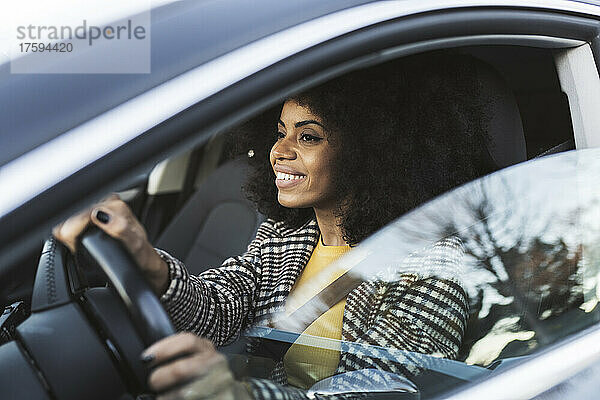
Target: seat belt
x,y
332,294
306,314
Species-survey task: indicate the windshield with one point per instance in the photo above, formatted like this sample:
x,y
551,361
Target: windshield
x,y
521,243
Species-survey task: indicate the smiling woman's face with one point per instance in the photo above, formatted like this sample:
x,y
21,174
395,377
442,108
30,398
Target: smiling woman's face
x,y
302,159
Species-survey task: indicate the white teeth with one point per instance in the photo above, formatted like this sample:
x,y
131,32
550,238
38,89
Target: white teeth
x,y
288,177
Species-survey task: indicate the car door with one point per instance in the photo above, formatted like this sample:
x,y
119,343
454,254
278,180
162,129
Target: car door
x,y
260,74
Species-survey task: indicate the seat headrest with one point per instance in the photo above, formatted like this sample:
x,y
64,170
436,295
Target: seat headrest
x,y
505,139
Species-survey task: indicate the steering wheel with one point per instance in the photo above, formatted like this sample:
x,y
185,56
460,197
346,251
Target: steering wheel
x,y
84,340
148,315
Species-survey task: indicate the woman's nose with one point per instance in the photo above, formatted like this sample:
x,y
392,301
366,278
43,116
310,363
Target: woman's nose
x,y
284,149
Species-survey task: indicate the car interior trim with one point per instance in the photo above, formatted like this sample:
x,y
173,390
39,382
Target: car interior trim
x,y
90,138
169,175
579,79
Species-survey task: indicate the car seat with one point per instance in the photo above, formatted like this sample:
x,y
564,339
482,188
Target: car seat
x,y
215,223
505,140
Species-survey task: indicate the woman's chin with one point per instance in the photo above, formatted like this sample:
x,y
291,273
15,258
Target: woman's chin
x,y
291,201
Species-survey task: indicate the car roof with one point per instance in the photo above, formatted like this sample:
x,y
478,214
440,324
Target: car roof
x,y
38,107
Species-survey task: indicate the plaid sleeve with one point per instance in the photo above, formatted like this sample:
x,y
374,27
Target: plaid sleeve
x,y
413,315
263,389
215,304
428,317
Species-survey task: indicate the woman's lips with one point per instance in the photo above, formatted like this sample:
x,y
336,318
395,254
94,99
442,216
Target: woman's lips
x,y
285,181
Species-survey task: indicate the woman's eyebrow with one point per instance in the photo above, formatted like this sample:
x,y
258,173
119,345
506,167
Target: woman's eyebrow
x,y
307,122
281,122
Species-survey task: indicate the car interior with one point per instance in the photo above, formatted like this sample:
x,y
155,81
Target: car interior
x,y
193,206
190,192
531,118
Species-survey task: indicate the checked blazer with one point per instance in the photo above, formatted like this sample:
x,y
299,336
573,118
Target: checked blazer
x,y
383,321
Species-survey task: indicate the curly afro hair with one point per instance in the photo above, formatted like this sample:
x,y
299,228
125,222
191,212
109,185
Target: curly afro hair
x,y
406,131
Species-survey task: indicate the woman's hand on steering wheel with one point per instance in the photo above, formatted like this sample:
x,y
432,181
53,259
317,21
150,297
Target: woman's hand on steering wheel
x,y
188,367
114,217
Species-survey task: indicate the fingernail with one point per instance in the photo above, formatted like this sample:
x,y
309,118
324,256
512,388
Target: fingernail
x,y
102,216
147,358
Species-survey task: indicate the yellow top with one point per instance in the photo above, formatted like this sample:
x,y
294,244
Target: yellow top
x,y
305,364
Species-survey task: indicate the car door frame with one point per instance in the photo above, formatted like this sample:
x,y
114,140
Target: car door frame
x,y
22,228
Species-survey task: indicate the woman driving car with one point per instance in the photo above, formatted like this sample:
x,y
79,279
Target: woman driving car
x,y
344,159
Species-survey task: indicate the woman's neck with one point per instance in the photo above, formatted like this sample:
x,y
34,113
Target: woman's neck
x,y
331,233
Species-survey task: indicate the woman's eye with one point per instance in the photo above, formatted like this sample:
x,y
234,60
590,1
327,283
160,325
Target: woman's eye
x,y
307,137
280,135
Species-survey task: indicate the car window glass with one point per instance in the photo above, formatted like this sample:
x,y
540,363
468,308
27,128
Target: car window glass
x,y
527,256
